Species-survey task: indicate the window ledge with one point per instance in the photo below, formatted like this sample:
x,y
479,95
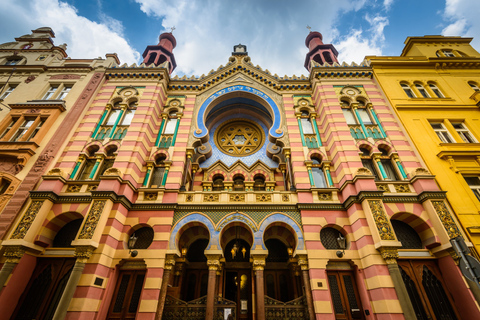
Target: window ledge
x,y
44,104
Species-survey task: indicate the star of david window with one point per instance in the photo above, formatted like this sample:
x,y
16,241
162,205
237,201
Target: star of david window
x,y
239,138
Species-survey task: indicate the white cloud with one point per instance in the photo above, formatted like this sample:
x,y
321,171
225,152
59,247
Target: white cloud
x,y
355,47
388,4
85,38
274,33
462,16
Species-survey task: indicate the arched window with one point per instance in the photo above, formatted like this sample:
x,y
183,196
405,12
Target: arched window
x,y
407,235
349,116
435,90
408,90
13,61
318,174
144,238
328,57
329,236
218,183
367,162
259,183
171,123
67,234
158,172
108,161
238,183
422,90
387,165
151,58
306,123
118,120
448,53
474,86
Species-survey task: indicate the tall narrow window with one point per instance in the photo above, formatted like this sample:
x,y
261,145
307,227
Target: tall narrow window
x,y
63,93
27,123
463,132
218,183
349,116
112,117
364,116
171,123
442,132
367,162
127,119
7,91
422,90
474,184
37,128
307,126
87,169
435,90
50,92
158,172
408,90
10,126
318,174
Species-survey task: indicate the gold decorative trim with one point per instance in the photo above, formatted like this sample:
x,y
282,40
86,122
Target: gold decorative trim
x,y
259,264
237,197
74,188
189,198
390,255
239,138
402,188
285,198
324,196
27,220
14,253
446,218
92,219
383,187
83,253
264,198
210,197
151,196
381,220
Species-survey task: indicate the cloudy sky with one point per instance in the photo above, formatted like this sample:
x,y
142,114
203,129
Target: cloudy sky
x,y
206,30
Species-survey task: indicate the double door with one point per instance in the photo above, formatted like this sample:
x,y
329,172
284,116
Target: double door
x,y
126,298
426,289
238,289
345,298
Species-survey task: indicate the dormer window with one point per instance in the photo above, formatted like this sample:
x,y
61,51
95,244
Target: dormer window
x,y
448,53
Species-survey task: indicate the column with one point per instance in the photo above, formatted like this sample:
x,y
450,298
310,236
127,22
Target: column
x,y
95,167
284,176
13,255
77,166
185,169
326,167
313,119
99,124
159,135
112,134
83,254
290,173
195,168
380,166
390,256
147,175
167,270
258,266
213,263
308,290
165,173
300,127
372,111
354,107
399,165
310,175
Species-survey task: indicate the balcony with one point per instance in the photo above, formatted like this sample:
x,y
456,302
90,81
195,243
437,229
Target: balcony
x,y
358,133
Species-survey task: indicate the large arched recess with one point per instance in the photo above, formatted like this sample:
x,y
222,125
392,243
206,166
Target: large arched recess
x,y
257,98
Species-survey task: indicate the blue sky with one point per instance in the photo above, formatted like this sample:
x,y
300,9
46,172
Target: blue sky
x,y
206,30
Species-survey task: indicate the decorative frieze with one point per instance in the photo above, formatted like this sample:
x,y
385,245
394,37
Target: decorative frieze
x,y
27,220
151,196
92,219
13,254
324,196
446,218
381,220
237,197
210,197
263,197
74,188
402,188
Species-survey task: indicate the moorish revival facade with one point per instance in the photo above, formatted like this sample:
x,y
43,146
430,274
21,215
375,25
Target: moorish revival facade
x,y
235,195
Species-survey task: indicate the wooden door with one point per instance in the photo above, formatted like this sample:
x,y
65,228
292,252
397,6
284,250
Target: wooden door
x,y
278,285
426,289
238,289
345,298
127,293
42,294
196,284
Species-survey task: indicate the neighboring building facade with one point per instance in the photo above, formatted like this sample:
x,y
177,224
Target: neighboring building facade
x,y
433,86
236,192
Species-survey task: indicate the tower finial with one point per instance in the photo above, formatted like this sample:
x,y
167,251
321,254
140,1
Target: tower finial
x,y
309,28
172,28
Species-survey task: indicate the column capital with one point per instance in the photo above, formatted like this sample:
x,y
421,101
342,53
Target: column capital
x,y
313,115
326,166
213,261
389,254
303,262
308,164
83,253
169,262
14,253
259,263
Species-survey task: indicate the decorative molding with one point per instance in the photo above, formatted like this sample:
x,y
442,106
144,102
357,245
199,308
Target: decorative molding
x,y
236,217
446,218
74,188
390,255
383,187
13,254
83,253
402,188
324,196
381,220
27,220
263,197
210,197
237,197
92,218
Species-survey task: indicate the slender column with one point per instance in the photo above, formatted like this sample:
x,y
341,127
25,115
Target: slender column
x,y
117,121
165,174
390,256
220,281
147,176
283,168
82,254
310,175
167,270
372,111
159,135
308,290
185,169
179,117
213,263
99,124
95,167
326,167
301,128
360,121
380,166
400,167
290,173
195,168
13,255
258,266
77,166
314,123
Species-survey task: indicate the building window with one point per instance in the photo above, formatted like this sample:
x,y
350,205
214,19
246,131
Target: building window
x,y
9,89
422,90
218,183
10,126
50,93
239,183
87,168
349,116
364,115
22,130
112,122
259,183
387,165
63,93
408,90
463,132
171,123
57,91
448,53
442,132
474,184
13,61
318,174
367,162
474,86
436,91
158,172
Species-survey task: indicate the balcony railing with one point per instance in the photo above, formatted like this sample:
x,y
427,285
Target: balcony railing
x,y
372,131
105,132
292,310
196,309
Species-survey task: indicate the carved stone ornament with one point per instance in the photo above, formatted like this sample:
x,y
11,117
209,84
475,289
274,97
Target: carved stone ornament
x,y
381,220
303,263
83,253
285,198
92,187
151,196
27,220
237,197
56,172
363,172
210,197
74,188
14,253
446,218
29,79
324,196
92,219
10,165
258,264
169,263
420,172
213,264
390,255
264,197
402,188
112,172
189,198
236,217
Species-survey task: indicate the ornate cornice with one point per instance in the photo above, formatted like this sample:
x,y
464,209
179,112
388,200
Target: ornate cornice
x,y
13,254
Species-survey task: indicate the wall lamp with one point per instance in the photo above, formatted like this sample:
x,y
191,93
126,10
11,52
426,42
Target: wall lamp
x,y
131,244
342,244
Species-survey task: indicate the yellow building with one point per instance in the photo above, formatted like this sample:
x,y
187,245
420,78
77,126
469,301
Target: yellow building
x,y
434,89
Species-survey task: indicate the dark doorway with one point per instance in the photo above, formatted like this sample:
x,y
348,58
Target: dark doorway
x,y
345,298
238,289
127,295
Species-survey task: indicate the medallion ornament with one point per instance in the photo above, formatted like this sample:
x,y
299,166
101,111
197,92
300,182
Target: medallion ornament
x,y
239,138
381,220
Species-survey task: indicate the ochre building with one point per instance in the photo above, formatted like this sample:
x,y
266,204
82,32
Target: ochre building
x,y
236,195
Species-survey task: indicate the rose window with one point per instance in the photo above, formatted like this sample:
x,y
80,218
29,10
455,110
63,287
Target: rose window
x,y
239,137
